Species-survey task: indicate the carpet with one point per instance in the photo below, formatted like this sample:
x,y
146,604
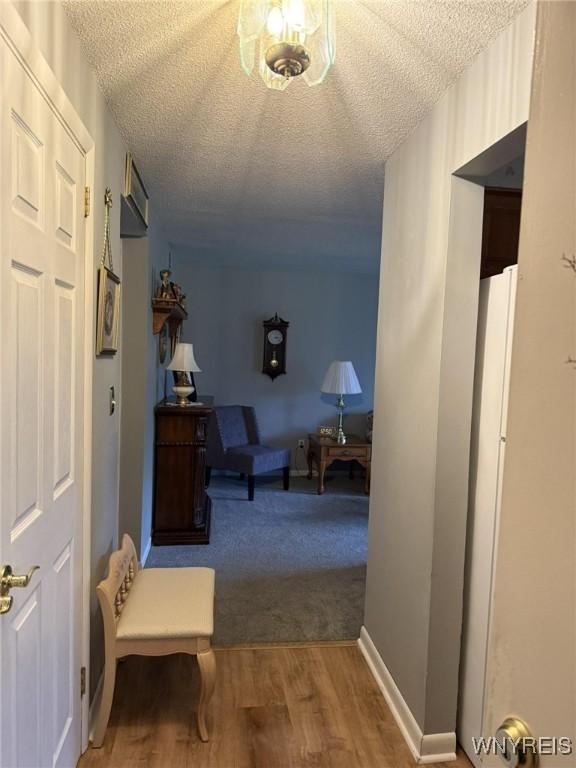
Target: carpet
x,y
290,566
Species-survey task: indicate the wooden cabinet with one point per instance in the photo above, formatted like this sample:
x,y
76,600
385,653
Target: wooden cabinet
x,y
181,504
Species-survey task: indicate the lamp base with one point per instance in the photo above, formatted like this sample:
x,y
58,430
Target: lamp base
x,y
341,437
182,393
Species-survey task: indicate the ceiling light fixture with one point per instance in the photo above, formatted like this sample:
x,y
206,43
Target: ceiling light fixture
x,y
287,38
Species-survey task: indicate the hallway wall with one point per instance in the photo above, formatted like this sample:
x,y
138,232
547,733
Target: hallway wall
x,y
422,399
143,384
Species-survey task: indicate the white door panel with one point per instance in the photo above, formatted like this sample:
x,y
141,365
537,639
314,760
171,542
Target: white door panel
x,y
493,346
42,178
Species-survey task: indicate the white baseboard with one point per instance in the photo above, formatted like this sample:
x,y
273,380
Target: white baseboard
x,y
145,553
94,706
429,748
298,473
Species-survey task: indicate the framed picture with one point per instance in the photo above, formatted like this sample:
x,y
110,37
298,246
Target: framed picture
x,y
134,191
108,317
163,343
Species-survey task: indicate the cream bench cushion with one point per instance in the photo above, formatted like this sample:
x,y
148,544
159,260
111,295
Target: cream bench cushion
x,y
170,603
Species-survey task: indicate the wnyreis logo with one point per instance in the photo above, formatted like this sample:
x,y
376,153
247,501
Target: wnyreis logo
x,y
506,747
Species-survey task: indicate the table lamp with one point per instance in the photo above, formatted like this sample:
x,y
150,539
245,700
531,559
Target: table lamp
x,y
182,364
341,379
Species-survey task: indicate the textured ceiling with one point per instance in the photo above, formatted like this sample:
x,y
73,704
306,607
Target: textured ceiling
x,y
237,172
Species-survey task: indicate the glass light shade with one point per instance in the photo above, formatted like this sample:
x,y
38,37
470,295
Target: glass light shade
x,y
322,48
275,21
303,27
341,379
183,359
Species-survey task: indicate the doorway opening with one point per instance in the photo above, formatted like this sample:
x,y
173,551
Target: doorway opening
x,y
291,564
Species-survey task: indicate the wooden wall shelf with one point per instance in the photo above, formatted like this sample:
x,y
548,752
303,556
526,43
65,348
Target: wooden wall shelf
x,y
167,310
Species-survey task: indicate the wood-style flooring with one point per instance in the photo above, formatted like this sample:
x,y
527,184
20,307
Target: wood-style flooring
x,y
274,707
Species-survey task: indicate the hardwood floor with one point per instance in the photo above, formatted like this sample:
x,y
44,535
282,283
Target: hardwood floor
x,y
274,707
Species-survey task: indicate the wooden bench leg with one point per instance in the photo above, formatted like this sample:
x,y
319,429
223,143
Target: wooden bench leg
x,y
251,483
207,665
105,703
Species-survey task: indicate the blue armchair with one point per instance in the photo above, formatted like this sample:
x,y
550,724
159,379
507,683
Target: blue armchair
x,y
234,443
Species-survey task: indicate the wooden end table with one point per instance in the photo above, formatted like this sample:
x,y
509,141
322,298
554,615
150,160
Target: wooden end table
x,y
322,451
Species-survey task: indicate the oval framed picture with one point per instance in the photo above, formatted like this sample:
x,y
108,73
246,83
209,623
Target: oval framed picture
x,y
108,315
163,343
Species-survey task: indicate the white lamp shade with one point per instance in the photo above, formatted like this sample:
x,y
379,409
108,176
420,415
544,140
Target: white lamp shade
x,y
341,379
183,359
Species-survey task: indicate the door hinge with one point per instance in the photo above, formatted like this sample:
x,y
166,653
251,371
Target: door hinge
x,y
86,202
82,681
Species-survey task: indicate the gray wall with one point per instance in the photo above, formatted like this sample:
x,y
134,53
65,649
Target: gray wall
x,y
153,375
135,330
418,504
143,384
332,316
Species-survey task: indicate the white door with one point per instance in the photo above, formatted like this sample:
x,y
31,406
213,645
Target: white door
x,y
489,417
532,649
42,175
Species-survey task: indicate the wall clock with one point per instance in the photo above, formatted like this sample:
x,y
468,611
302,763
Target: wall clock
x,y
275,333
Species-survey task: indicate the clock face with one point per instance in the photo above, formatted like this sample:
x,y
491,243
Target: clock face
x,y
275,337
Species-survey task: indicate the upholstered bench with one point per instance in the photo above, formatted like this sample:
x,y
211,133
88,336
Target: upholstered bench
x,y
155,612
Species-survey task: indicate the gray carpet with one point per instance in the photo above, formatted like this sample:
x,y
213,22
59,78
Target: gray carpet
x,y
290,566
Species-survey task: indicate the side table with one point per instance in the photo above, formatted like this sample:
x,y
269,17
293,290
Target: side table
x,y
322,451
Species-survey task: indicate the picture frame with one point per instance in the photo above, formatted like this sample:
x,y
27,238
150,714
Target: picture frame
x,y
108,312
163,343
134,190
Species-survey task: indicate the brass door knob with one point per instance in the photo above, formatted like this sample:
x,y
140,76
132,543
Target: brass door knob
x,y
8,581
516,742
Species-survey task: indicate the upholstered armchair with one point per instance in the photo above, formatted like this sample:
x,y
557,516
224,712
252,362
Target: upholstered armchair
x,y
234,443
